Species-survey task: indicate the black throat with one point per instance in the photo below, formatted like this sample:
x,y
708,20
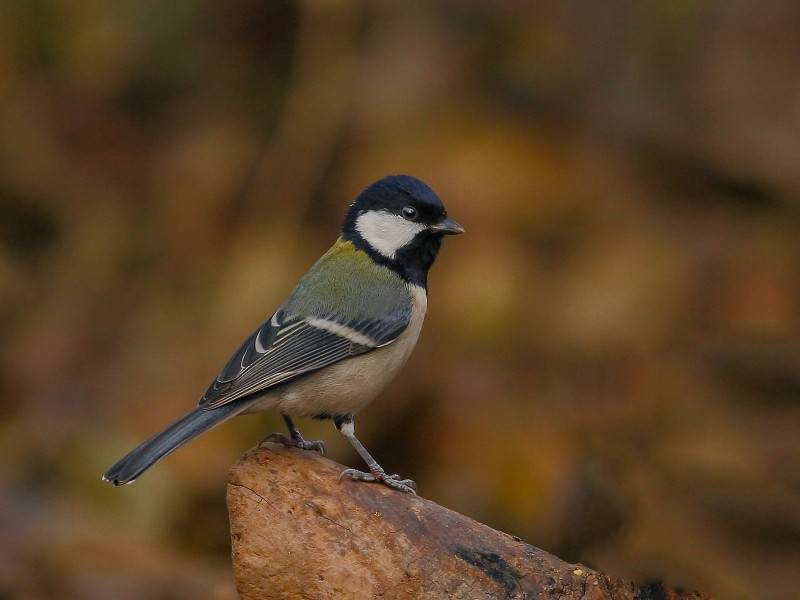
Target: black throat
x,y
411,262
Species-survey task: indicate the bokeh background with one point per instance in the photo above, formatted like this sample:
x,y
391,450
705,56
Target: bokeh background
x,y
610,367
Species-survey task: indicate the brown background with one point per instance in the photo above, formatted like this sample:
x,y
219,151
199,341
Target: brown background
x,y
611,363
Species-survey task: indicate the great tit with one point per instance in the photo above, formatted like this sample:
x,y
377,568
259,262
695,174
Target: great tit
x,y
340,337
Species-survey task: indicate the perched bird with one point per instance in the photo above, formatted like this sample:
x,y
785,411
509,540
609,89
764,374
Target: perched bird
x,y
340,337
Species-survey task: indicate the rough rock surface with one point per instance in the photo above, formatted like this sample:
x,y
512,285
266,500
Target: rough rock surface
x,y
297,532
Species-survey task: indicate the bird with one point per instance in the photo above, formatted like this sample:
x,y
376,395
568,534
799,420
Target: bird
x,y
340,337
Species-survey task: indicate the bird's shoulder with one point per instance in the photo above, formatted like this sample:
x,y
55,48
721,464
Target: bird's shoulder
x,y
347,283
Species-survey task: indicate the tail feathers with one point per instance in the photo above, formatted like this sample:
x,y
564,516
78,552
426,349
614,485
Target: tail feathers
x,y
138,460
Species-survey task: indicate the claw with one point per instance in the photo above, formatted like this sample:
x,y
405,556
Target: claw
x,y
406,482
315,445
393,481
357,475
279,438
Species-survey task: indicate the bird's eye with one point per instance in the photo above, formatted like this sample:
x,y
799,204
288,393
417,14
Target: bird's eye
x,y
410,213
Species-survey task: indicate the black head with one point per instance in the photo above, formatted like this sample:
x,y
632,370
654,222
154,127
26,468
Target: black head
x,y
399,221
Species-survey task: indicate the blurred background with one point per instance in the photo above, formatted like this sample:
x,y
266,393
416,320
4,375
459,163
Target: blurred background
x,y
610,367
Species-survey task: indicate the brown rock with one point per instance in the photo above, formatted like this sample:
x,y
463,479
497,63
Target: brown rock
x,y
297,532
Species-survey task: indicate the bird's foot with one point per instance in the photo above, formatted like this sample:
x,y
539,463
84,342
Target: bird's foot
x,y
393,481
299,442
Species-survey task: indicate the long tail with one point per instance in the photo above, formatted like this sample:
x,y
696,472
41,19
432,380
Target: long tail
x,y
141,458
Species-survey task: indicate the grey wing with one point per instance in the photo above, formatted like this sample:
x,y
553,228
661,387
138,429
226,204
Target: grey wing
x,y
286,347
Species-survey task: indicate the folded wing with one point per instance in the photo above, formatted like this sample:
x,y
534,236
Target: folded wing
x,y
286,347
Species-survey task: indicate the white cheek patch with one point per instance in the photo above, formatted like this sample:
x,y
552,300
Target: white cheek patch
x,y
385,232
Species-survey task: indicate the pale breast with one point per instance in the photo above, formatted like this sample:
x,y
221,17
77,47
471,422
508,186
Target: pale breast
x,y
347,386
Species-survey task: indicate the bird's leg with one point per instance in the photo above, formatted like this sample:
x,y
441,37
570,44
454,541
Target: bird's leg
x,y
296,440
376,473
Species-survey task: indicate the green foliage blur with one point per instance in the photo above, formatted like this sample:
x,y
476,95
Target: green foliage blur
x,y
610,367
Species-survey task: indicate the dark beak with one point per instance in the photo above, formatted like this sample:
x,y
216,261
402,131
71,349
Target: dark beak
x,y
447,227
